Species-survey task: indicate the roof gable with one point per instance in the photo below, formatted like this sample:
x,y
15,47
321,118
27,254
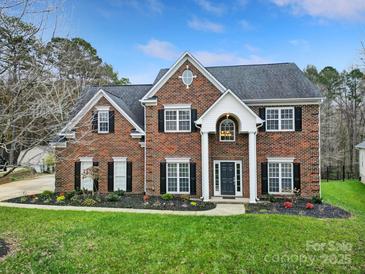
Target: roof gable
x,y
116,102
185,57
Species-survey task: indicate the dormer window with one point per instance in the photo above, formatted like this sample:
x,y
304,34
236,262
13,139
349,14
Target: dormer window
x,y
227,130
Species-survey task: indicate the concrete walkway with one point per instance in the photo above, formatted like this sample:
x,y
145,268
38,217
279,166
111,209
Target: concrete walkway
x,y
220,210
27,187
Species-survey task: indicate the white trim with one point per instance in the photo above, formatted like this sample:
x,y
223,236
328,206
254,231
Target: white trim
x,y
119,159
177,106
237,193
177,120
149,102
91,103
186,56
234,131
284,101
58,144
252,166
177,160
106,108
136,134
200,120
280,159
279,119
86,159
68,135
205,165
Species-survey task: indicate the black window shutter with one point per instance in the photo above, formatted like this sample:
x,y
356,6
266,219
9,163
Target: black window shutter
x,y
162,178
194,117
262,115
111,121
298,119
193,178
110,176
161,120
264,179
96,180
94,122
77,175
129,176
296,174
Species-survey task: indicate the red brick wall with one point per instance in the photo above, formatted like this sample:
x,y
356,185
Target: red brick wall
x,y
201,95
102,147
302,145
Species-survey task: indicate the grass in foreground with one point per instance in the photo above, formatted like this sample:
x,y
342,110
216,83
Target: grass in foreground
x,y
89,242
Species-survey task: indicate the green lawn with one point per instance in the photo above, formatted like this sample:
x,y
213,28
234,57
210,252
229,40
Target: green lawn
x,y
86,242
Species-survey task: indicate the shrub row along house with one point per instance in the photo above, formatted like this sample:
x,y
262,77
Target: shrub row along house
x,y
234,131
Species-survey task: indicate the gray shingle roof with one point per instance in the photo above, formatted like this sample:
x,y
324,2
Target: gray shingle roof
x,y
126,96
266,81
361,145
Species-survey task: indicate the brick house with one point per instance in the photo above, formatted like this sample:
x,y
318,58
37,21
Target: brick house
x,y
226,131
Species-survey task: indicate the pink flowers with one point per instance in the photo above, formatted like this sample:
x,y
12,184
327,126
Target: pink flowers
x,y
288,205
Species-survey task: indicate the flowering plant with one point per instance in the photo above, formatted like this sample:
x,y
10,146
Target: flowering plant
x,y
288,204
309,206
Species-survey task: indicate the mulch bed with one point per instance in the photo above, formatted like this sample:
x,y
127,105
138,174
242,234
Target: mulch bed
x,y
124,201
4,249
319,211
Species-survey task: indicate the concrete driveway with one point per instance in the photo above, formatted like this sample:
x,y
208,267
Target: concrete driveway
x,y
27,187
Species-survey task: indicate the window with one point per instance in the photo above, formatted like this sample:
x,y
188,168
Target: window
x,y
280,177
280,119
87,181
227,131
120,173
178,178
177,120
103,121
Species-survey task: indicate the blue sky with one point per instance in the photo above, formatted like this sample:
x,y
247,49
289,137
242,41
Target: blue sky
x,y
140,37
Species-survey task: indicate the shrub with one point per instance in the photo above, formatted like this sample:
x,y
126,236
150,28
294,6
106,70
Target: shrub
x,y
120,192
89,202
193,203
45,195
309,206
112,197
288,204
316,200
185,197
69,195
75,200
60,198
23,199
167,196
272,198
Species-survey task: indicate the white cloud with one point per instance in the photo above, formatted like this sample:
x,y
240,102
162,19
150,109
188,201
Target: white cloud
x,y
208,58
245,25
208,6
299,42
159,49
330,9
155,6
205,25
251,48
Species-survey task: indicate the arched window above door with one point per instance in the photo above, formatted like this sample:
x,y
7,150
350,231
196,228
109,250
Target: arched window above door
x,y
227,130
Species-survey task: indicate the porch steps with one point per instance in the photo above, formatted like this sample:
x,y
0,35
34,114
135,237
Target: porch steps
x,y
228,200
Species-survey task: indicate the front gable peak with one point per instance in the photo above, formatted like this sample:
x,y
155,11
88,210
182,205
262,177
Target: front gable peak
x,y
187,76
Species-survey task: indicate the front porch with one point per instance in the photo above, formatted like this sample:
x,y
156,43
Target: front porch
x,y
229,119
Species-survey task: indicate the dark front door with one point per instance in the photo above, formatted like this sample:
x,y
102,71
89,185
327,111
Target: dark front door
x,y
227,178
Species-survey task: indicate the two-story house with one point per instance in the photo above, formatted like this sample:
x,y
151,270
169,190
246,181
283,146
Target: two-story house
x,y
225,131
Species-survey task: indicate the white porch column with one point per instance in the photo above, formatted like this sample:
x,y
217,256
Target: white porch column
x,y
205,165
252,166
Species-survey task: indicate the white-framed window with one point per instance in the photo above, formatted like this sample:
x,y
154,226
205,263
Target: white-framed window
x,y
280,119
177,120
178,177
103,121
238,177
280,177
120,173
227,131
87,181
